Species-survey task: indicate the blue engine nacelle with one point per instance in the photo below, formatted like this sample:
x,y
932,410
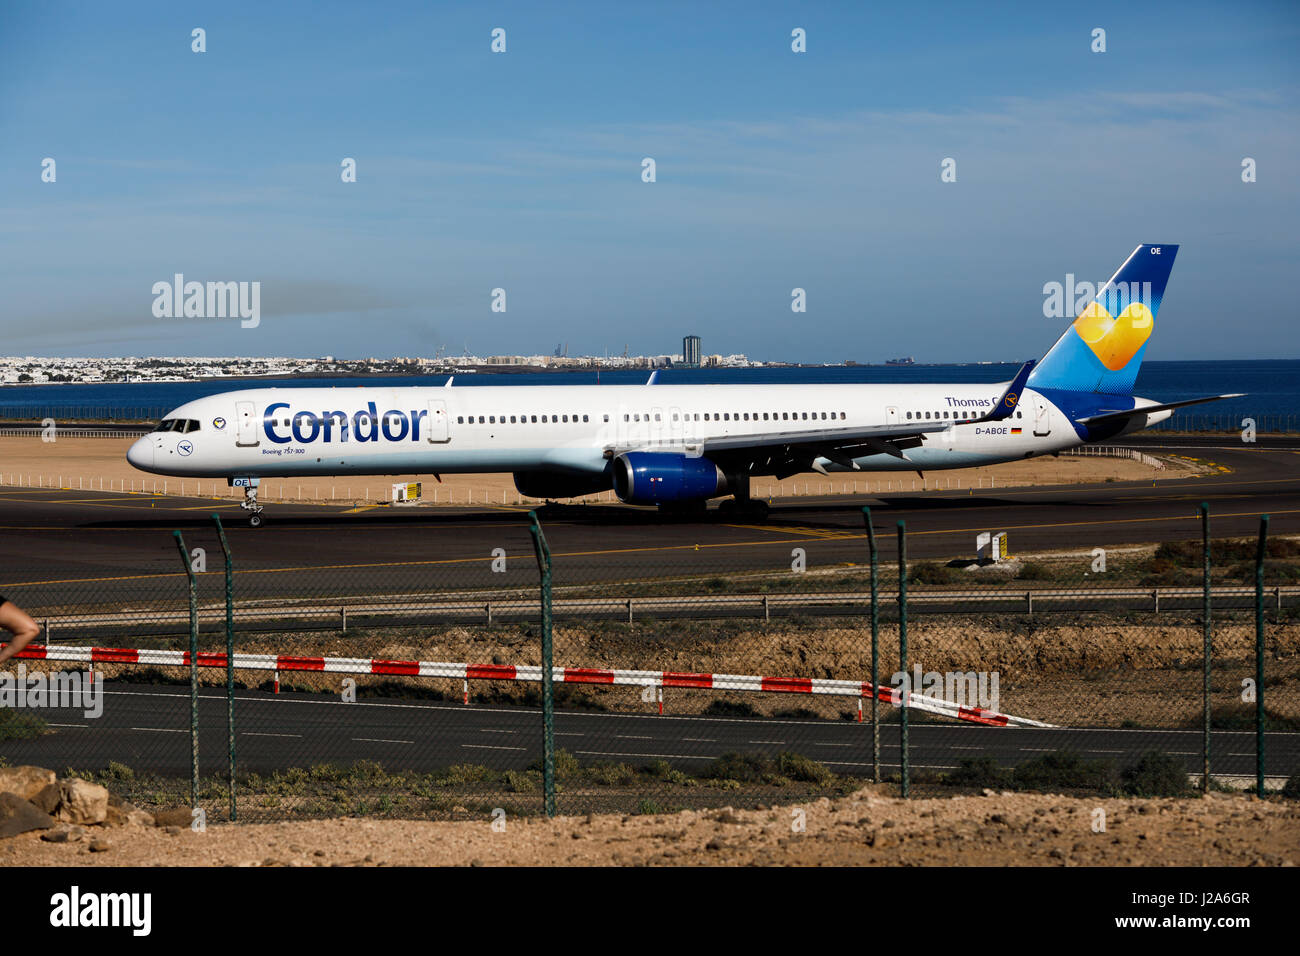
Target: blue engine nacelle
x,y
651,478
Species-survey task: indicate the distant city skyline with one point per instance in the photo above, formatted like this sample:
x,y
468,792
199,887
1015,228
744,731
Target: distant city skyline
x,y
501,202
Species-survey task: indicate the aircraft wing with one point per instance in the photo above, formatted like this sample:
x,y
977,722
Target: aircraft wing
x,y
789,452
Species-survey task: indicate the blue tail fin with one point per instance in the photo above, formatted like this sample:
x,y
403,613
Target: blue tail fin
x,y
1102,351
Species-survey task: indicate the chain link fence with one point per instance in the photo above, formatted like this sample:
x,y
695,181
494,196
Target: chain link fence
x,y
412,685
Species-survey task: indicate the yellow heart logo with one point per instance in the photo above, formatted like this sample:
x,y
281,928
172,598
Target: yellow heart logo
x,y
1114,341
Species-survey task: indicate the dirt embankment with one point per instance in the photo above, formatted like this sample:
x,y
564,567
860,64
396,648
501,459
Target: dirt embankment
x,y
868,827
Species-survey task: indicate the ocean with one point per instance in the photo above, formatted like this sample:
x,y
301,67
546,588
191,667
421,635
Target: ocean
x,y
1272,387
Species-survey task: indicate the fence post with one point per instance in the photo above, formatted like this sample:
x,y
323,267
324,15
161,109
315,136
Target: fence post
x,y
1206,650
548,694
905,762
230,658
1259,656
194,670
875,646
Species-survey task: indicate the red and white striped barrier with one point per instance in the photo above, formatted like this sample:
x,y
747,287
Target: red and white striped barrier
x,y
529,672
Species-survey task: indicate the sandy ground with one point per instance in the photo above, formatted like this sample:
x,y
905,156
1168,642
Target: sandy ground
x,y
865,828
100,464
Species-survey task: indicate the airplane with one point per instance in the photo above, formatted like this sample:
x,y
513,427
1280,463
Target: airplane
x,y
678,446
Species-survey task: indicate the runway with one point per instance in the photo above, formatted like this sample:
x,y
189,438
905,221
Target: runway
x,y
147,728
70,548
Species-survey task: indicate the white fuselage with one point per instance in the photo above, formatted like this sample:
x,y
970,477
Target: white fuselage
x,y
261,433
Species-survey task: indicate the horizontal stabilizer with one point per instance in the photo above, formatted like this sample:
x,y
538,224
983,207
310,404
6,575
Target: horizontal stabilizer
x,y
1107,416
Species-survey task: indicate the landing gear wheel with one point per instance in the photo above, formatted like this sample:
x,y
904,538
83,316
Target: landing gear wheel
x,y
250,505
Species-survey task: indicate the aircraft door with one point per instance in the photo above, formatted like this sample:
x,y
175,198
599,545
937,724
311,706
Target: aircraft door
x,y
1042,417
439,430
246,426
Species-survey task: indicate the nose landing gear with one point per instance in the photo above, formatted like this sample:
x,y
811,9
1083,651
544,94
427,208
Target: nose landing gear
x,y
250,505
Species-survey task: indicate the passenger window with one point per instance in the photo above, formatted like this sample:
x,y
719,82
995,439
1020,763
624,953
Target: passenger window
x,y
460,419
656,416
584,418
606,418
566,418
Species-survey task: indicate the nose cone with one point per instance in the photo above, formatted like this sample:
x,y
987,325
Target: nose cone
x,y
141,454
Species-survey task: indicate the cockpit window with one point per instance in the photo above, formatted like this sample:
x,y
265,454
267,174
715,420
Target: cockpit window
x,y
183,425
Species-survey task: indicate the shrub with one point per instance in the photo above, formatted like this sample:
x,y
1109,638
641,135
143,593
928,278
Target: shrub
x,y
744,768
611,774
1034,571
804,769
1291,788
465,773
1156,774
979,772
927,572
520,782
566,765
1063,770
19,726
729,708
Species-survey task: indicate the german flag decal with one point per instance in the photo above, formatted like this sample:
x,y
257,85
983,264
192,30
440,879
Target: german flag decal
x,y
1015,431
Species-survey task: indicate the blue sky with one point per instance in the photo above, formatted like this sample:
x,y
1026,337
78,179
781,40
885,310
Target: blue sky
x,y
522,170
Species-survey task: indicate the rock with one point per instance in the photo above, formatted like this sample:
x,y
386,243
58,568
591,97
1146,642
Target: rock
x,y
173,831
124,813
179,817
48,799
81,801
100,845
25,782
64,833
20,816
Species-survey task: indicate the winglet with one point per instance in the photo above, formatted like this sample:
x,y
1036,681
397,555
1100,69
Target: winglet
x,y
653,377
447,384
1006,405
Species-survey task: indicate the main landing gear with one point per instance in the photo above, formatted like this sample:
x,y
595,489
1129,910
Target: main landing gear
x,y
250,505
744,508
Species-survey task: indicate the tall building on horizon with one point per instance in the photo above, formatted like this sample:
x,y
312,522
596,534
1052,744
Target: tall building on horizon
x,y
691,351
